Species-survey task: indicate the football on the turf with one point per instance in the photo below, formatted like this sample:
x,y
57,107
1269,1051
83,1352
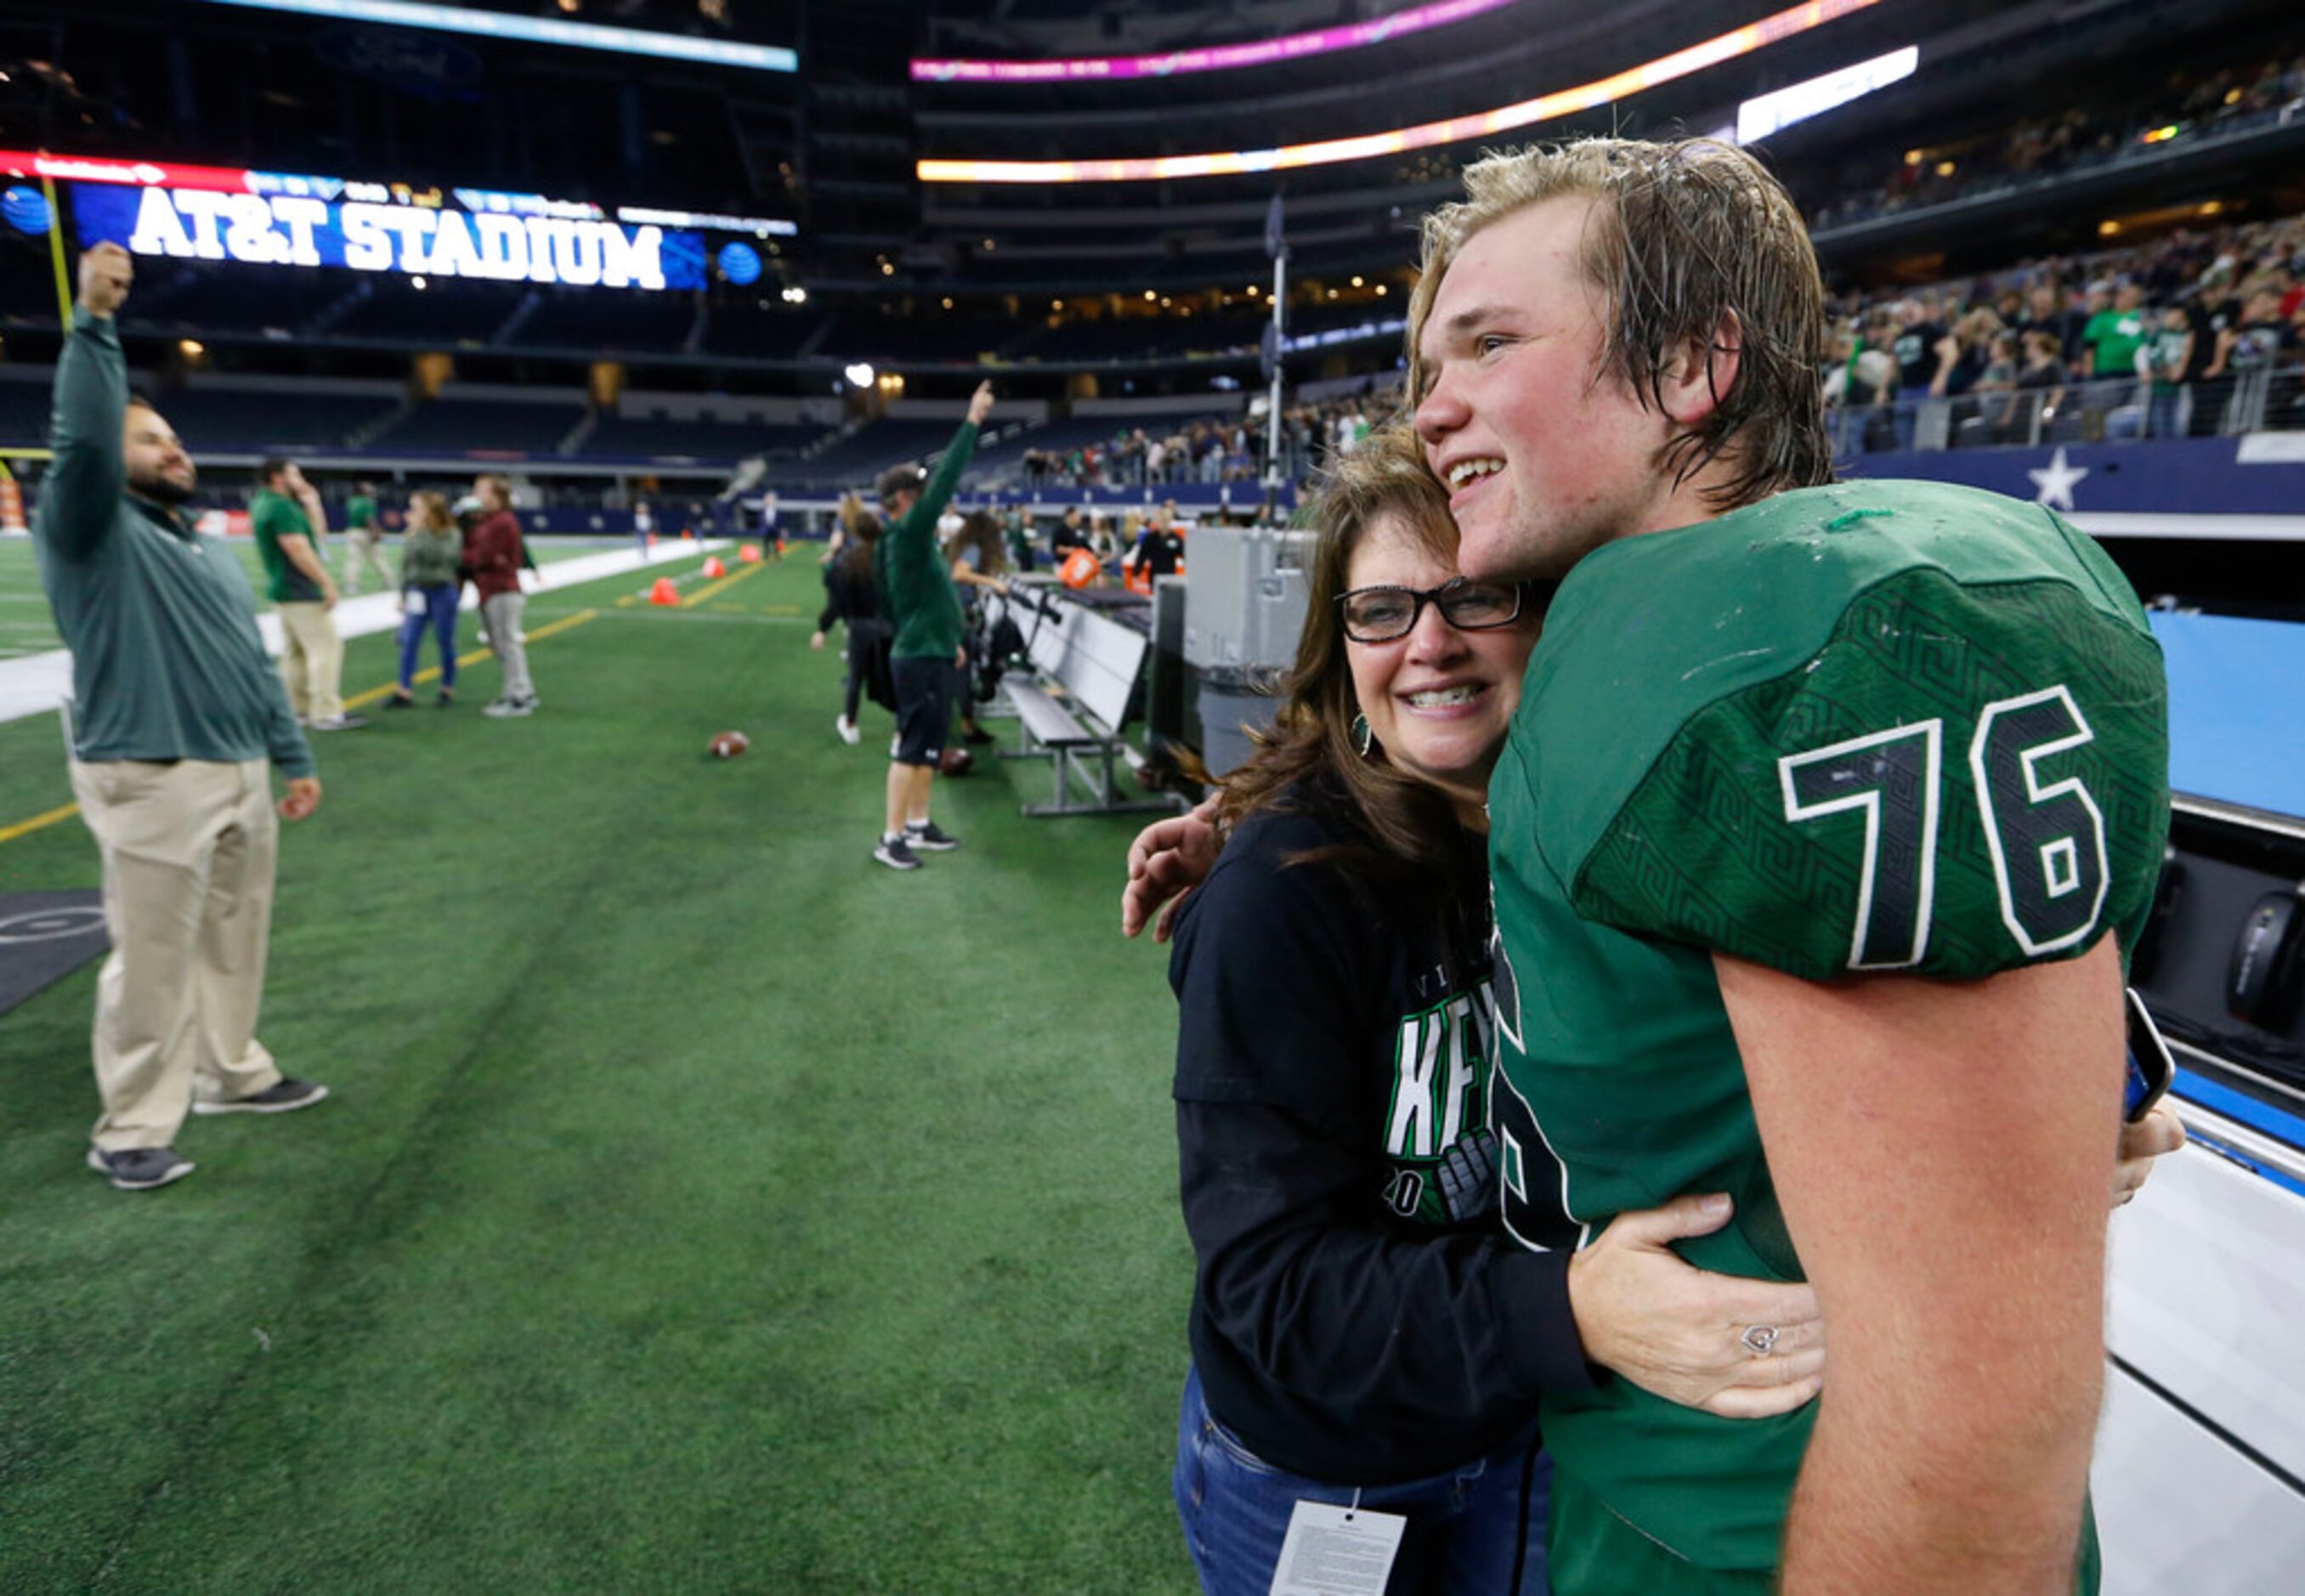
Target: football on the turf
x,y
727,746
956,762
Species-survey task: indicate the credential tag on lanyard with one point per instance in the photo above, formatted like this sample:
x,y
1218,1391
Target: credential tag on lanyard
x,y
1337,1551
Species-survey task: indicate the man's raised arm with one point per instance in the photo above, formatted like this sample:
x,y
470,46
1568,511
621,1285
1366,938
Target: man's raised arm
x,y
1942,1152
81,496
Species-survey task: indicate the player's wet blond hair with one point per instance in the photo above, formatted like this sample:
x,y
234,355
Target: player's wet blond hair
x,y
1689,241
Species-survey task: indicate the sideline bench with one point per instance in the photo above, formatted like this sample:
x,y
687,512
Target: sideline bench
x,y
1084,670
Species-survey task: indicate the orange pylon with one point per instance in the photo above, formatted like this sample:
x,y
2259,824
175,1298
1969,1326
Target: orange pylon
x,y
749,554
664,592
713,569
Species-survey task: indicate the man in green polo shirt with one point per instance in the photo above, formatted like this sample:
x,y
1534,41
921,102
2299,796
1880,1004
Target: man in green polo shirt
x,y
363,540
177,720
288,522
926,658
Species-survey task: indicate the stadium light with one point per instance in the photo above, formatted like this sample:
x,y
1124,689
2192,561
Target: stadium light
x,y
1757,118
1174,64
859,374
537,31
1455,130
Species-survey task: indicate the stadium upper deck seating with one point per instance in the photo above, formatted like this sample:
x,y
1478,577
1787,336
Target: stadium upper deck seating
x,y
698,439
468,426
443,312
631,323
756,333
213,418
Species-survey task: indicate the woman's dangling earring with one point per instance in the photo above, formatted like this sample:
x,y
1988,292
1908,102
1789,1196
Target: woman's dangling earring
x,y
1362,737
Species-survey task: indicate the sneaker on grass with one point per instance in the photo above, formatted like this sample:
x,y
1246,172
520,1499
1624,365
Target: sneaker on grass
x,y
279,1098
338,723
847,730
893,853
139,1168
976,736
928,835
506,708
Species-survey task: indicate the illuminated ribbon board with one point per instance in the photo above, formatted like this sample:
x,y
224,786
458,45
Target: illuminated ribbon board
x,y
1566,102
1175,63
537,31
279,218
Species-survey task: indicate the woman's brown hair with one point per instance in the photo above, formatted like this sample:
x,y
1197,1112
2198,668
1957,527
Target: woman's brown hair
x,y
980,530
863,529
431,511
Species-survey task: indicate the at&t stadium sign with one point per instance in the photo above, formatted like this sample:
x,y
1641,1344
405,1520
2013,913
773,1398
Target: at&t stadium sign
x,y
270,218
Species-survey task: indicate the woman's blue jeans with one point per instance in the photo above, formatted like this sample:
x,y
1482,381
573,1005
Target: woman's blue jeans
x,y
440,616
1477,1530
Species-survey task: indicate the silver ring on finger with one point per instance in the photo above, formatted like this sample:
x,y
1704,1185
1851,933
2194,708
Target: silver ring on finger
x,y
1760,1339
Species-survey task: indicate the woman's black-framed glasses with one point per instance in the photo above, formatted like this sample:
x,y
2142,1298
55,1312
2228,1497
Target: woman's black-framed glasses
x,y
1387,614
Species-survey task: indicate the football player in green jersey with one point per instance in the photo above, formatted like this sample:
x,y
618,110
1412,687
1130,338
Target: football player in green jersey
x,y
1825,820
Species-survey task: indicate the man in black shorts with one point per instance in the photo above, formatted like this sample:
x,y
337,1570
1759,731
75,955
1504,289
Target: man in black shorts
x,y
916,586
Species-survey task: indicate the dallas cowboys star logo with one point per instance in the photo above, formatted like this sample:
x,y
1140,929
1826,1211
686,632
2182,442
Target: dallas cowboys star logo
x,y
2055,484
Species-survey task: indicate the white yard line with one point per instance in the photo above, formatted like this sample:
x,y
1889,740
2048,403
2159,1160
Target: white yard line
x,y
38,684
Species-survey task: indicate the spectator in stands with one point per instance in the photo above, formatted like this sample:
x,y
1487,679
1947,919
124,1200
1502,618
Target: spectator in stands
x,y
493,554
2040,388
1918,334
363,540
287,520
431,561
178,719
2114,336
2167,355
917,585
853,597
2047,311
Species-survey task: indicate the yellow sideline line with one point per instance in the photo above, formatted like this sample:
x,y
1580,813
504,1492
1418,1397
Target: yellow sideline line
x,y
24,828
9,834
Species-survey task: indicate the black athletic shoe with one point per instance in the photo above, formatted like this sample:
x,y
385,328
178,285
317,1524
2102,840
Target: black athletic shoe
x,y
893,852
401,700
139,1168
445,701
930,837
279,1098
976,736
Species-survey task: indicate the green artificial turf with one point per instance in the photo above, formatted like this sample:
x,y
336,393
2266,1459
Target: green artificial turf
x,y
700,1206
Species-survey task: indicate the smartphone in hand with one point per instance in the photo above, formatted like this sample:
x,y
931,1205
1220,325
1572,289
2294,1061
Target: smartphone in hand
x,y
2150,1067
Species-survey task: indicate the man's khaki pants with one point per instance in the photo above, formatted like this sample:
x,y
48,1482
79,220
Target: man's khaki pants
x,y
364,551
312,661
188,849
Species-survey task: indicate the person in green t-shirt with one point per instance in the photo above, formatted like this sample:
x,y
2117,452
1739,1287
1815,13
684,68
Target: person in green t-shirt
x,y
288,522
1829,812
363,540
2114,334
